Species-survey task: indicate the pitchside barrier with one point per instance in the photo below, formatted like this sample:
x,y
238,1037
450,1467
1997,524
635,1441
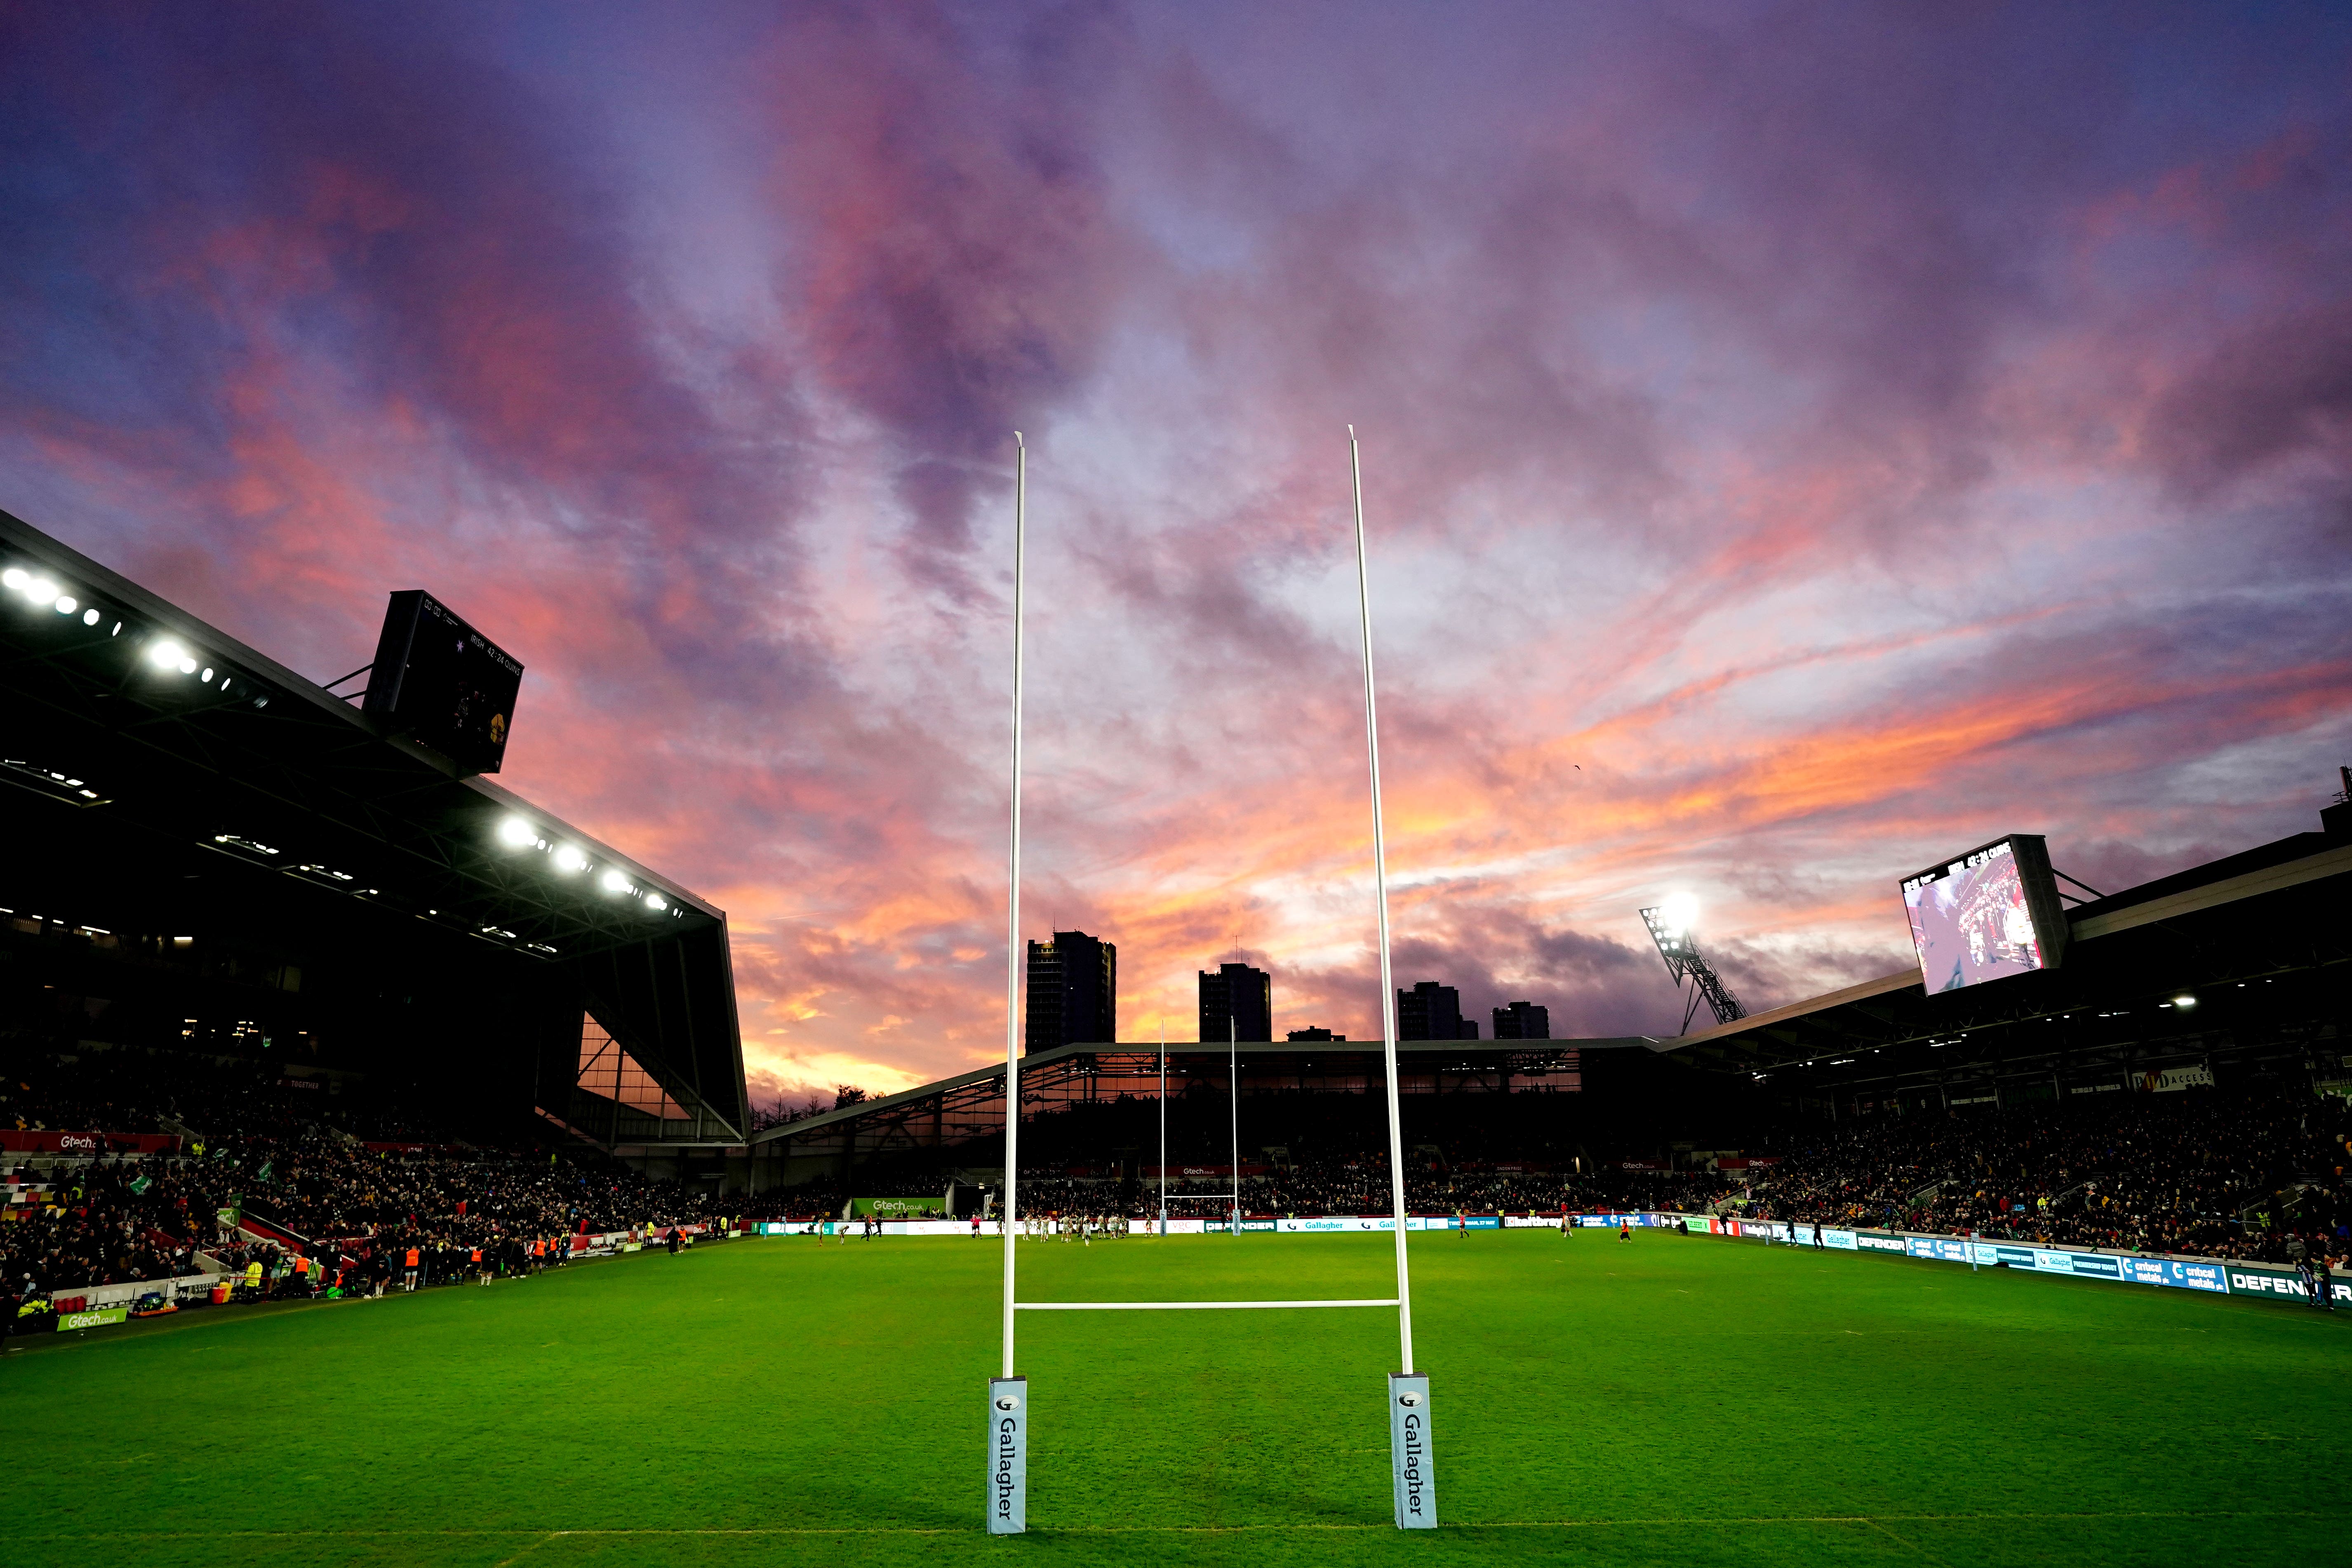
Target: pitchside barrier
x,y
2216,1276
2219,1276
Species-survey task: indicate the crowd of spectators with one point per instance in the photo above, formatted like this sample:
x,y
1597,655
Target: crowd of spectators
x,y
2235,1174
261,1175
2214,1174
2224,1174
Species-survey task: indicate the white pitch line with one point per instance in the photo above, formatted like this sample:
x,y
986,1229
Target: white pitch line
x,y
1177,1306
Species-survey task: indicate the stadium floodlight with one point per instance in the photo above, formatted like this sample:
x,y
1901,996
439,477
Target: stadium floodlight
x,y
1678,916
167,654
655,902
613,883
41,590
516,833
569,859
66,605
89,617
2184,1000
15,578
1671,923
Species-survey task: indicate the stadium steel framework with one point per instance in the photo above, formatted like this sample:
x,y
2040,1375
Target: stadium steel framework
x,y
193,787
971,1106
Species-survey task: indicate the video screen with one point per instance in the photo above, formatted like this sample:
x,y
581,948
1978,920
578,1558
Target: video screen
x,y
1972,920
443,683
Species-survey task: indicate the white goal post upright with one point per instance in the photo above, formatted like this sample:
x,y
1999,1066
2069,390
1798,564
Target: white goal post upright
x,y
1234,1087
1408,1403
1164,1126
1008,1396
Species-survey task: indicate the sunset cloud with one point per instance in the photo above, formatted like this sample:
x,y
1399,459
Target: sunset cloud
x,y
1798,443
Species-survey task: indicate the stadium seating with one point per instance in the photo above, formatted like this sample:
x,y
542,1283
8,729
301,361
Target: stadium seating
x,y
301,1186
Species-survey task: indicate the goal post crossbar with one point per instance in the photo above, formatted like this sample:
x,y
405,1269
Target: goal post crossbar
x,y
1179,1306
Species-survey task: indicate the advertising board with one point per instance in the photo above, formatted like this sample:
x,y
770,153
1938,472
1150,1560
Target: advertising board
x,y
45,1140
96,1319
2175,1272
2279,1284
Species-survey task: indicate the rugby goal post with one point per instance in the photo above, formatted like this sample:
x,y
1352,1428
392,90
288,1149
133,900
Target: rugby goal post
x,y
1413,1474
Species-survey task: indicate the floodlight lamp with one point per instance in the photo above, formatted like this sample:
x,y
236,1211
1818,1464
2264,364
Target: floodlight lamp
x,y
517,834
167,654
655,902
66,603
1678,914
89,617
209,675
187,667
613,883
2184,1000
41,590
14,577
569,859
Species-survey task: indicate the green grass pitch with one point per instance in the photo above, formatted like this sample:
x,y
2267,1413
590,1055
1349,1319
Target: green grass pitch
x,y
1676,1400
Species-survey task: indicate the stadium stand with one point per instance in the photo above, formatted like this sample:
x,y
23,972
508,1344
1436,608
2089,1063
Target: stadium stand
x,y
2209,1173
266,956
298,1187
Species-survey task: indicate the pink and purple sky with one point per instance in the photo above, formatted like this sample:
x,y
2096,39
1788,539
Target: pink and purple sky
x,y
1800,442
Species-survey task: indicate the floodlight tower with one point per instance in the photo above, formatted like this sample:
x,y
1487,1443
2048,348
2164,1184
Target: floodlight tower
x,y
1670,927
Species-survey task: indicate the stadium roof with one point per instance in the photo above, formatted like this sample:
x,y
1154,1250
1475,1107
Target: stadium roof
x,y
2246,953
248,762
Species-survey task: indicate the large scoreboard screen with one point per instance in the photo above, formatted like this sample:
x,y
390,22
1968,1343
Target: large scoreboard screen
x,y
1986,915
442,683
